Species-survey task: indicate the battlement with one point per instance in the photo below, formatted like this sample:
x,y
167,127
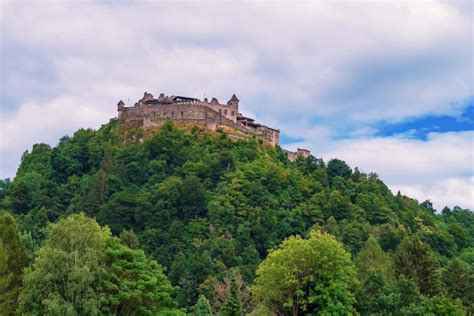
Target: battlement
x,y
149,111
300,152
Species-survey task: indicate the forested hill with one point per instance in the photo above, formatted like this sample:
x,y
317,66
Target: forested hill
x,y
193,217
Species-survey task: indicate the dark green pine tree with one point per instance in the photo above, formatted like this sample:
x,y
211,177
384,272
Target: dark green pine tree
x,y
458,280
7,295
129,238
232,306
15,259
415,261
202,307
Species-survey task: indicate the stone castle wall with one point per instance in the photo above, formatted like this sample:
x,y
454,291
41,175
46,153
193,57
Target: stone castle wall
x,y
211,116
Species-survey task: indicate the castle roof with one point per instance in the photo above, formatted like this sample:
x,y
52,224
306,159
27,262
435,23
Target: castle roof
x,y
181,98
234,98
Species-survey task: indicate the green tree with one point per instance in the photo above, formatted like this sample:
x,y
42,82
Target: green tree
x,y
66,272
337,167
82,270
7,292
15,258
458,281
437,305
202,307
415,261
373,295
232,306
372,258
133,284
129,238
307,276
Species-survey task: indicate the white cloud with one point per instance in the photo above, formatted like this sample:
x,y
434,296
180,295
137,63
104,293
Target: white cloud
x,y
329,58
439,169
44,123
311,69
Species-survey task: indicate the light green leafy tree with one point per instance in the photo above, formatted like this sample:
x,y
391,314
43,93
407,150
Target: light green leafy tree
x,y
307,276
66,272
82,270
372,259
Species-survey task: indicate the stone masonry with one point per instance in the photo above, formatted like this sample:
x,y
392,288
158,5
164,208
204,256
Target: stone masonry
x,y
149,112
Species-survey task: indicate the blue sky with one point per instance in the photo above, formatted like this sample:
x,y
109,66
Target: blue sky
x,y
386,86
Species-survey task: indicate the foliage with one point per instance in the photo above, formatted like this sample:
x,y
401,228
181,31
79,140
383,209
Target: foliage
x,y
133,284
82,270
415,261
307,276
232,306
372,259
458,282
204,205
13,258
202,307
66,270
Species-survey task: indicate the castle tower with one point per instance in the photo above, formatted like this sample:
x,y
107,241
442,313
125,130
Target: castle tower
x,y
120,105
234,101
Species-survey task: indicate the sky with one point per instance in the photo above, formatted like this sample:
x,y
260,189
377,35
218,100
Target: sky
x,y
386,86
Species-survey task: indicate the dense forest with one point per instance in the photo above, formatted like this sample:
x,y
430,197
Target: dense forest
x,y
182,221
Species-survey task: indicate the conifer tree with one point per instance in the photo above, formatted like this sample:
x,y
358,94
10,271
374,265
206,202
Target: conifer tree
x,y
15,259
372,259
232,307
7,293
202,307
415,261
458,281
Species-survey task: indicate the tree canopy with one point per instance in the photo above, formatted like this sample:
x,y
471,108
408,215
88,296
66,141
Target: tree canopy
x,y
200,209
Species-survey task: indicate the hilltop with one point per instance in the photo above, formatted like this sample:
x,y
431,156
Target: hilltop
x,y
209,209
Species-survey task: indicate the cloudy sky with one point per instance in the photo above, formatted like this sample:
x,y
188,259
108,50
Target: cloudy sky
x,y
384,85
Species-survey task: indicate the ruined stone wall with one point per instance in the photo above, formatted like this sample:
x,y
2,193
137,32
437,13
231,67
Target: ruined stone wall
x,y
229,111
269,134
300,152
195,113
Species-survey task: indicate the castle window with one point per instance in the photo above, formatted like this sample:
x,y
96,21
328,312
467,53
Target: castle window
x,y
232,113
225,112
164,114
172,113
182,114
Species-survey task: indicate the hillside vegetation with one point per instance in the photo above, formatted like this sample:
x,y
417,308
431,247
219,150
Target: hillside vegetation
x,y
181,220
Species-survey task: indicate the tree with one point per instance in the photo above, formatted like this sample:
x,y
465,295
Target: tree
x,y
307,276
372,258
232,307
415,261
7,292
14,260
437,305
202,307
376,274
339,206
66,272
373,295
458,280
338,167
83,270
129,238
134,284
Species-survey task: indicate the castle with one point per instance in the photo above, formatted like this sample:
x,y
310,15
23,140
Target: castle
x,y
150,112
